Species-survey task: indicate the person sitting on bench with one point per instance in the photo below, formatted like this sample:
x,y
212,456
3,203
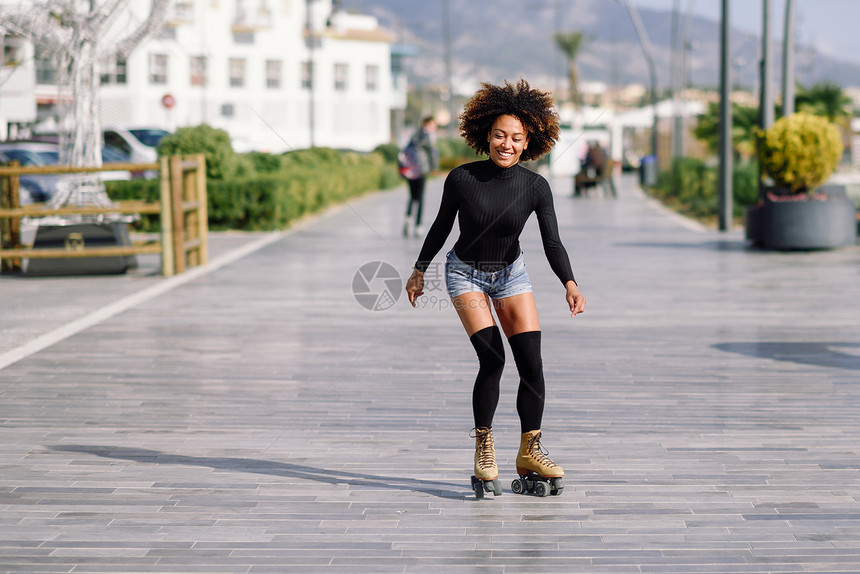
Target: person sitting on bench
x,y
592,169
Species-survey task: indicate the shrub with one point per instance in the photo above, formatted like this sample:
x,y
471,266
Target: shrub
x,y
137,189
800,152
213,143
306,181
263,162
388,152
745,179
691,187
454,152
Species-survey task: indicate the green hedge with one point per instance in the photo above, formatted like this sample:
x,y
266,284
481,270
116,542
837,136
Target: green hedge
x,y
221,161
279,190
454,152
690,187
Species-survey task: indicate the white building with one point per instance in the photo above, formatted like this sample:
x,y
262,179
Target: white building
x,y
245,66
17,84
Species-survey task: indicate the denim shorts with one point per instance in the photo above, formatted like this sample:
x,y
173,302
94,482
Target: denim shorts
x,y
462,278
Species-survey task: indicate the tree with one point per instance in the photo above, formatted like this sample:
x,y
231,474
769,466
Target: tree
x,y
744,125
571,45
78,36
827,100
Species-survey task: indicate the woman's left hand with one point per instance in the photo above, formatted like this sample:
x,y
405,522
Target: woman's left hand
x,y
575,299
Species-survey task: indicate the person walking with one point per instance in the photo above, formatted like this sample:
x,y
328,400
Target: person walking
x,y
486,272
427,160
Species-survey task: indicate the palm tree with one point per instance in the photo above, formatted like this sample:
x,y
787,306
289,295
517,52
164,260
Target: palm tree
x,y
827,100
571,45
744,125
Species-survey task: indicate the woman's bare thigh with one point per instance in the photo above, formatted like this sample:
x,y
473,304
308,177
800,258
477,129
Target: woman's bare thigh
x,y
517,314
474,310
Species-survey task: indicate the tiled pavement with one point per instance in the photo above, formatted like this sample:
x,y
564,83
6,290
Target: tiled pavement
x,y
706,408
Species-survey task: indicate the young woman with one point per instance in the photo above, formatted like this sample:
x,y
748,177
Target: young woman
x,y
485,270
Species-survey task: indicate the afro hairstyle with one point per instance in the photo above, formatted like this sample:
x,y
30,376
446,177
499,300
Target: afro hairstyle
x,y
533,108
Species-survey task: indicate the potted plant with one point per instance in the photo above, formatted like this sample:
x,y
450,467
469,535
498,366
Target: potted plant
x,y
798,154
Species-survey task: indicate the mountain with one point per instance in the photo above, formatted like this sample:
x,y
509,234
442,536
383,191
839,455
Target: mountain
x,y
506,39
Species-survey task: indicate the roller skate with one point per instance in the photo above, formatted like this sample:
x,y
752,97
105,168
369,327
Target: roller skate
x,y
538,474
486,477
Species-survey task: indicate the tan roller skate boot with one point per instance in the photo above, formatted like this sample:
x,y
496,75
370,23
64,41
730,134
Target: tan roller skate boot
x,y
537,472
486,477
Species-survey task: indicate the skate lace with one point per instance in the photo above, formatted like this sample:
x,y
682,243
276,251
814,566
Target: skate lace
x,y
486,447
539,454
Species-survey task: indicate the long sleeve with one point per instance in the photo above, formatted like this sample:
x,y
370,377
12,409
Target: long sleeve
x,y
441,228
555,252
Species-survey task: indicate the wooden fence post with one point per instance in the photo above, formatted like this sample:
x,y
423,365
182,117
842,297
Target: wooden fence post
x,y
166,219
178,214
5,224
202,209
192,228
10,228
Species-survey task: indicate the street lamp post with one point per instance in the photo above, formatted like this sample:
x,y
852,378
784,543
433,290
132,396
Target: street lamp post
x,y
652,69
725,175
766,96
677,82
311,75
452,108
788,60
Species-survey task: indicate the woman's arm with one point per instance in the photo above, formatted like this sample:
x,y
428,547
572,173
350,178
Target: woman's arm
x,y
442,225
556,254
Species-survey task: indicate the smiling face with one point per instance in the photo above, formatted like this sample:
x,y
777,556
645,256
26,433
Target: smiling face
x,y
508,139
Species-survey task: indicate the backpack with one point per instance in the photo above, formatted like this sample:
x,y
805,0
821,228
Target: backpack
x,y
407,160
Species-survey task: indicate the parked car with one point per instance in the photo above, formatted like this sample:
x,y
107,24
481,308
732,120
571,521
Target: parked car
x,y
41,188
32,188
138,143
50,155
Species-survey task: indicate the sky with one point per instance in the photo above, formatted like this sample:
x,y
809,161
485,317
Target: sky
x,y
831,26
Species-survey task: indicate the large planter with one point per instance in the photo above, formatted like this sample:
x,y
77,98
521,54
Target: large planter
x,y
825,222
78,236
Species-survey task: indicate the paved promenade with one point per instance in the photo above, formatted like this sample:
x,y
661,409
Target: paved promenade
x,y
255,417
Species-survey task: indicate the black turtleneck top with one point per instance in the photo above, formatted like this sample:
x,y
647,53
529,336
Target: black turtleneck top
x,y
493,204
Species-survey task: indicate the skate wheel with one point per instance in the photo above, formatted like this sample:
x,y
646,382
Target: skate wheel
x,y
556,487
479,491
497,487
541,489
478,487
518,486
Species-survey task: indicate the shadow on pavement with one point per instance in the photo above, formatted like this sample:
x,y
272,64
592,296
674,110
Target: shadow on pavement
x,y
724,245
283,469
818,354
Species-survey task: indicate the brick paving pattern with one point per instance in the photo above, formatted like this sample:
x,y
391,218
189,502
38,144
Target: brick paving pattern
x,y
706,408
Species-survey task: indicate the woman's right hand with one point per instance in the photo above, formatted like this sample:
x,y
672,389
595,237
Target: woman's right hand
x,y
415,286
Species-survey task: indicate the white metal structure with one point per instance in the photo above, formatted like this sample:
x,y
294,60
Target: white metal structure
x,y
77,36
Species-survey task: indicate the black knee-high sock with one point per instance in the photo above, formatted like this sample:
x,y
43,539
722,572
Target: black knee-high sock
x,y
530,395
491,356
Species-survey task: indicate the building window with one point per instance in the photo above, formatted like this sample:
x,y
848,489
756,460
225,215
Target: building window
x,y
158,68
273,74
341,72
114,71
13,53
307,75
237,72
198,71
46,72
243,37
372,78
